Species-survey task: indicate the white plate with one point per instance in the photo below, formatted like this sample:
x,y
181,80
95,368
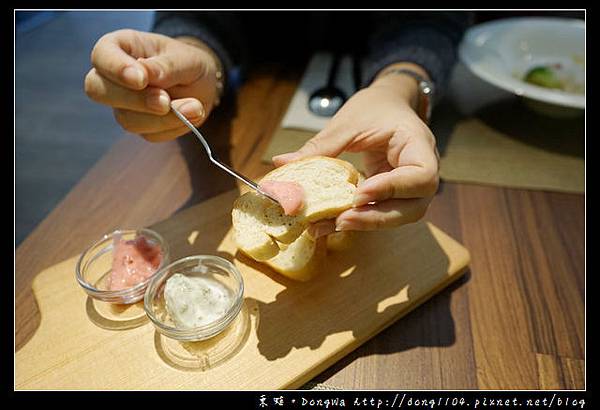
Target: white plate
x,y
502,51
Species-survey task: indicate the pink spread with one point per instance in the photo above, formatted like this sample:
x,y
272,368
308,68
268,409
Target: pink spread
x,y
289,195
133,262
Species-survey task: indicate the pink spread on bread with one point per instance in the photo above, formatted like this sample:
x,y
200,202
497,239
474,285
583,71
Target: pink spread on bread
x,y
289,195
133,262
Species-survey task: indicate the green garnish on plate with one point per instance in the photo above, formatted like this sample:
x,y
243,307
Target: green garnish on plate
x,y
544,77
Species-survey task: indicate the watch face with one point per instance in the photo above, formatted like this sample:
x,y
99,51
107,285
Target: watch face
x,y
426,87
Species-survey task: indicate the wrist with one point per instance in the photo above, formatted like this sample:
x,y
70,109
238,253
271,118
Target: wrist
x,y
418,96
217,63
404,85
193,41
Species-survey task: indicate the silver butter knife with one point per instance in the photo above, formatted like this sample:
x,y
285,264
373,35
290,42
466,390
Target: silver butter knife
x,y
216,161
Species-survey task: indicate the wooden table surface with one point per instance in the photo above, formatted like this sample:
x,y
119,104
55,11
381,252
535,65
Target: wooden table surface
x,y
516,321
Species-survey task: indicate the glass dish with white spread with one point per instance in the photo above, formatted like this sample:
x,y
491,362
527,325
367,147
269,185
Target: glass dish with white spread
x,y
194,298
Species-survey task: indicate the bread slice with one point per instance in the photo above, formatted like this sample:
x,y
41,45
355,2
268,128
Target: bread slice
x,y
300,259
328,185
260,225
340,241
258,222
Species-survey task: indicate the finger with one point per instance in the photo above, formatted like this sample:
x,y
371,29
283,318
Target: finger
x,y
142,123
387,214
111,59
321,228
375,162
409,181
418,149
202,90
168,135
329,142
150,100
176,66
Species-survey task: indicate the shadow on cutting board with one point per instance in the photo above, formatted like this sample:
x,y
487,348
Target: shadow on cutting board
x,y
295,319
298,310
206,181
430,325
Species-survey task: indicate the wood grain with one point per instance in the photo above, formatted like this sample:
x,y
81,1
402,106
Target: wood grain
x,y
523,296
560,372
288,332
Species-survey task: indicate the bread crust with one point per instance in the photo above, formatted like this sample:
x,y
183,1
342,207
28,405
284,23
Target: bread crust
x,y
266,251
353,177
310,269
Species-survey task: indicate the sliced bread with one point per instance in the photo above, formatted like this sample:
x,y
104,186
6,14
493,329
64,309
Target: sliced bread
x,y
328,185
258,223
261,226
300,259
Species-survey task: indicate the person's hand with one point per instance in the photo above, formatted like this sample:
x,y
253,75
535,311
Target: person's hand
x,y
139,74
399,153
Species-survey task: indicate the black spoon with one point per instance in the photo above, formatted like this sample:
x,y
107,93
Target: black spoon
x,y
327,100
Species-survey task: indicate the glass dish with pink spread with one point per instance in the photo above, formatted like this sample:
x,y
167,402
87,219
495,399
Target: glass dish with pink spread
x,y
118,267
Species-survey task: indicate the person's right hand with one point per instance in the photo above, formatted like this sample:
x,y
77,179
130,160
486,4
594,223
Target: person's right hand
x,y
139,74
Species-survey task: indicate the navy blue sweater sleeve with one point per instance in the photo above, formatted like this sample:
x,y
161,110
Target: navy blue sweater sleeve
x,y
429,39
221,31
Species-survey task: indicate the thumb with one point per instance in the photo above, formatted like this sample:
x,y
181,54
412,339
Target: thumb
x,y
328,142
174,68
405,182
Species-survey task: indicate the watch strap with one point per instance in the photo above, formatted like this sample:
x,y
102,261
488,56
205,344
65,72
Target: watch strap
x,y
426,91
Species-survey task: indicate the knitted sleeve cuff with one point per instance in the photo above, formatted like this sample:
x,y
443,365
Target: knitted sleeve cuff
x,y
427,47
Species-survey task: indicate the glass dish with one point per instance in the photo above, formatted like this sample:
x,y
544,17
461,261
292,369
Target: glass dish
x,y
95,264
210,267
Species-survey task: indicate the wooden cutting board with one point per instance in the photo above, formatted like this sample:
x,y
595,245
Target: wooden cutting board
x,y
287,332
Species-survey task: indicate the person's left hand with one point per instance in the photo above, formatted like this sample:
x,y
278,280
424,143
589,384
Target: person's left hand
x,y
399,152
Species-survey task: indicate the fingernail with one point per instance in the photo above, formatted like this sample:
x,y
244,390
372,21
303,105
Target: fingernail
x,y
283,158
368,183
341,226
321,230
153,69
165,101
158,101
134,75
361,199
192,110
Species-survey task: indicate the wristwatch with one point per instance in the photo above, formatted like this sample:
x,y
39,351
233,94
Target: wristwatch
x,y
426,91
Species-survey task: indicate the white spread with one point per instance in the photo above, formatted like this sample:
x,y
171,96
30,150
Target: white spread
x,y
196,301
